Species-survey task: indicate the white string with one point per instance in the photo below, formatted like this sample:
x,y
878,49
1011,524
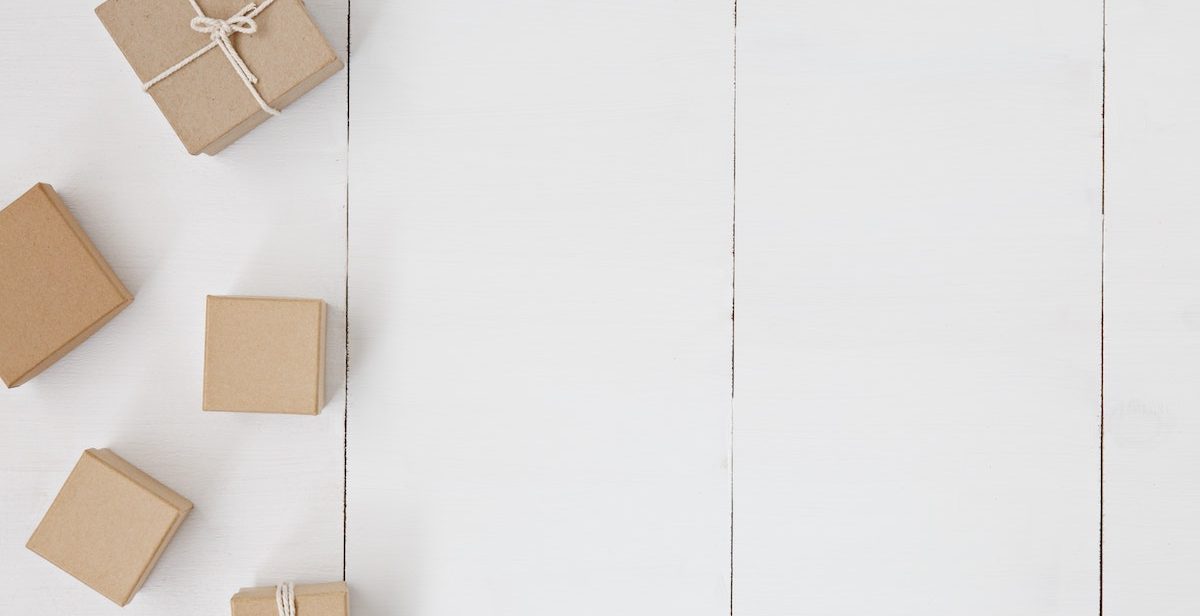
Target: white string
x,y
285,600
220,31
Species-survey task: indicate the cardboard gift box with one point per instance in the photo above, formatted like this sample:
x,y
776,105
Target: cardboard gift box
x,y
264,355
109,525
331,599
218,68
55,288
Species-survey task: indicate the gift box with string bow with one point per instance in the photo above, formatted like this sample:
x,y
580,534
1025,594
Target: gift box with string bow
x,y
218,68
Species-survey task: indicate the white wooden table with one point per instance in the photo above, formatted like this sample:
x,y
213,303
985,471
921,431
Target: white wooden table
x,y
958,379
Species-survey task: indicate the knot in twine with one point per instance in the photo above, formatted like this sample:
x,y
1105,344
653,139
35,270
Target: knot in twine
x,y
220,31
285,599
222,28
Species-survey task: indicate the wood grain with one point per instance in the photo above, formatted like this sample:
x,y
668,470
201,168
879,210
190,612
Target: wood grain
x,y
540,289
1151,300
917,401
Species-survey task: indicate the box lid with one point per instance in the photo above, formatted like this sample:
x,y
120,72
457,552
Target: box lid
x,y
55,287
109,524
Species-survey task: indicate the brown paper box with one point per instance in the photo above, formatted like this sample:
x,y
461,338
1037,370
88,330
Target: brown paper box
x,y
332,599
109,525
55,288
264,355
206,102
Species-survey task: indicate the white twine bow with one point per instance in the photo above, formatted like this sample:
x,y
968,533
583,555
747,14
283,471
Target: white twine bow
x,y
220,31
285,600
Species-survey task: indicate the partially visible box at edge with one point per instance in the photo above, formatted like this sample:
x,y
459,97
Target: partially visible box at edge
x,y
206,102
328,599
56,290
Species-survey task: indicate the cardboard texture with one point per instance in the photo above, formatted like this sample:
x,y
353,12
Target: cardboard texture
x,y
206,102
264,355
331,599
55,288
109,525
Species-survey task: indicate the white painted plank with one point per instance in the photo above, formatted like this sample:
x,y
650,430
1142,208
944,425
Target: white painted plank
x,y
540,292
265,217
1152,429
916,417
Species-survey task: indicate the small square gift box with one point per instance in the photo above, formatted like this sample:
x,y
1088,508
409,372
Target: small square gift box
x,y
109,525
330,599
56,290
264,355
218,68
